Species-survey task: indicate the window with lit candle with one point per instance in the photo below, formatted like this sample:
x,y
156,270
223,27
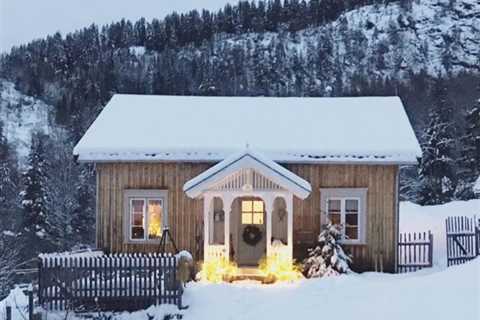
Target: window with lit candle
x,y
146,214
154,219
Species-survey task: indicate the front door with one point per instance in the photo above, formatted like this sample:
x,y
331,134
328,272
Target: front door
x,y
251,232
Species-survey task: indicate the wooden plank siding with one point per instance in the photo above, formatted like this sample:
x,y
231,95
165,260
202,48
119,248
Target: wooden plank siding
x,y
185,215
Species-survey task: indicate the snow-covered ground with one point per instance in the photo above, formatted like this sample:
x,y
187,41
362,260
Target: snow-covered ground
x,y
449,294
18,301
415,218
437,293
453,293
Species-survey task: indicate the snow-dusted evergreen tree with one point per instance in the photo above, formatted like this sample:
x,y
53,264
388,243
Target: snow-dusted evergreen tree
x,y
83,216
437,169
9,258
60,185
35,231
8,213
469,162
410,184
328,257
8,185
472,141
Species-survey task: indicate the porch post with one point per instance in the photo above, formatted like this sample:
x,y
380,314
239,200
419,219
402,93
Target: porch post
x,y
289,205
227,206
206,225
269,208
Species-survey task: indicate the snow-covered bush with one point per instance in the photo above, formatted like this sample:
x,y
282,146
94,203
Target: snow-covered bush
x,y
217,270
185,266
328,257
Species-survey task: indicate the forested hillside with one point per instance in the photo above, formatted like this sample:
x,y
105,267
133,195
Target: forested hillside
x,y
427,52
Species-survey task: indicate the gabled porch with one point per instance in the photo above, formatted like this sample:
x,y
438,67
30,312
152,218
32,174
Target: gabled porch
x,y
248,209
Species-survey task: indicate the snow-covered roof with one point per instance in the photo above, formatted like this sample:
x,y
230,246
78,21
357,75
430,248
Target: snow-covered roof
x,y
248,159
476,186
181,128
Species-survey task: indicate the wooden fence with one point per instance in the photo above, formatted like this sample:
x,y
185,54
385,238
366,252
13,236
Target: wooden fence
x,y
463,239
415,251
108,282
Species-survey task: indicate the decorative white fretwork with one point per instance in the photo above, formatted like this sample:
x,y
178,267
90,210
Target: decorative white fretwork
x,y
245,180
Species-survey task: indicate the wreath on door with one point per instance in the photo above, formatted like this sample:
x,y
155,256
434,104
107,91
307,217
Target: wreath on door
x,y
252,235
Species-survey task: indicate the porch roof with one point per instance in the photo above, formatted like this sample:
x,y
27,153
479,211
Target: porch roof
x,y
367,130
248,159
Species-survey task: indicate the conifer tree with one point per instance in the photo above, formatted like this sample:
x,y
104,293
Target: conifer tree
x,y
83,216
8,260
35,229
61,188
437,168
8,213
469,161
328,257
472,141
8,184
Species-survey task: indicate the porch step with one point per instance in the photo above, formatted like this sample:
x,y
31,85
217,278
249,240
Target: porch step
x,y
249,274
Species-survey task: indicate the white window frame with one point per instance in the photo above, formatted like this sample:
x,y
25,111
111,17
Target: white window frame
x,y
344,194
131,195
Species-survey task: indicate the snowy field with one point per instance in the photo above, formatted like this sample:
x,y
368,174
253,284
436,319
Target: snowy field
x,y
437,293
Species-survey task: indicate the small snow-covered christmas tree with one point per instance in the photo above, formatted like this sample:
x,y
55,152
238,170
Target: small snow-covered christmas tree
x,y
328,257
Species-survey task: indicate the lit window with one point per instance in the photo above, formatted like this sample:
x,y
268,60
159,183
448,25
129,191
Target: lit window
x,y
252,212
146,214
247,218
154,219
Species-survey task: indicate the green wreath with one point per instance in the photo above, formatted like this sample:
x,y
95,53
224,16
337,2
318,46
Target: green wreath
x,y
252,235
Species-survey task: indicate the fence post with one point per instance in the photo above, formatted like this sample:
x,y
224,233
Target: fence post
x,y
477,238
30,302
8,310
430,253
40,282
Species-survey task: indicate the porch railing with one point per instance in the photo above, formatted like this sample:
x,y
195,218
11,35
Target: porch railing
x,y
215,252
278,250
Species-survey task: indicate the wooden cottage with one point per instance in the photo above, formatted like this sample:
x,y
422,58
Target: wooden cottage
x,y
244,178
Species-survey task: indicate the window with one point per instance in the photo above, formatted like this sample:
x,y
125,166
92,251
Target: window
x,y
252,212
146,214
137,222
345,212
346,207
